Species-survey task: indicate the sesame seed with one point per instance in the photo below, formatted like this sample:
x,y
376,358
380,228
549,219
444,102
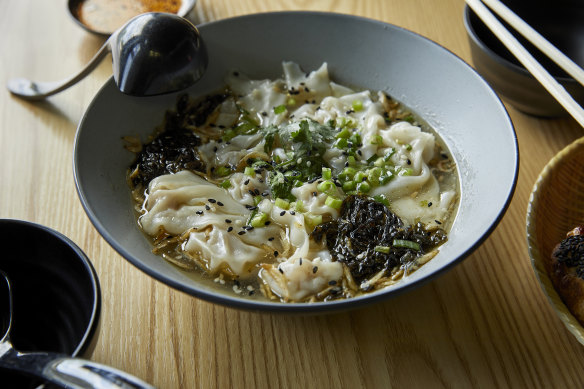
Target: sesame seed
x,y
280,270
215,149
245,182
275,253
300,262
267,223
230,229
212,201
271,238
314,193
333,282
430,204
199,212
314,269
359,152
227,221
219,203
241,233
207,208
292,213
282,213
438,221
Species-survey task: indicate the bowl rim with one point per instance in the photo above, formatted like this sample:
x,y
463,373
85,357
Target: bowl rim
x,y
471,32
92,326
317,307
535,256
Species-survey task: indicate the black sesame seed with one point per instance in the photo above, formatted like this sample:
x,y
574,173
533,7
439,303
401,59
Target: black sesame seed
x,y
219,203
438,221
280,270
212,201
314,193
292,213
275,253
333,282
282,213
245,182
241,233
264,113
227,221
230,229
199,212
265,194
409,162
314,269
271,238
359,152
251,292
207,207
300,262
267,223
249,228
215,149
430,204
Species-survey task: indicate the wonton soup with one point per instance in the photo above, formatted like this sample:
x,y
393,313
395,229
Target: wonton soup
x,y
296,189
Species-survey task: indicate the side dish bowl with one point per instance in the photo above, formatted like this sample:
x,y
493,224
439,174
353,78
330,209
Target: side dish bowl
x,y
428,79
56,294
560,23
555,207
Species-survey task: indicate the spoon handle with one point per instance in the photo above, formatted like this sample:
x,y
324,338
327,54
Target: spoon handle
x,y
71,373
32,90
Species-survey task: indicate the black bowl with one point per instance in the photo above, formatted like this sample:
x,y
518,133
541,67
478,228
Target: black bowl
x,y
558,21
56,294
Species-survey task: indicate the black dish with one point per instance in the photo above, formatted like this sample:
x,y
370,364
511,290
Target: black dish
x,y
560,22
56,294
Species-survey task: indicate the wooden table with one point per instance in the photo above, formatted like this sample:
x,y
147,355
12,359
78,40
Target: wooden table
x,y
486,323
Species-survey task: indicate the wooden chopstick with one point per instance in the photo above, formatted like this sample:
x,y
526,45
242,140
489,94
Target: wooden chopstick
x,y
526,59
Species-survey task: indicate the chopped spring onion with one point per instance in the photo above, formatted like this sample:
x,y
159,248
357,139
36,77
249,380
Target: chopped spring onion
x,y
407,244
333,202
325,186
226,184
382,249
326,173
357,105
280,109
223,171
284,204
259,220
249,171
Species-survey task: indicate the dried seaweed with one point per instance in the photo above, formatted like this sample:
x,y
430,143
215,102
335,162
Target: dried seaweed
x,y
364,227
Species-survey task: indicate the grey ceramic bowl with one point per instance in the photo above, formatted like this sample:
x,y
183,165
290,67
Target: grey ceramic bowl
x,y
56,294
430,80
561,23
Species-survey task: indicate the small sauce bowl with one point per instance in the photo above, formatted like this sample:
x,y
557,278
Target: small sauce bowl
x,y
103,17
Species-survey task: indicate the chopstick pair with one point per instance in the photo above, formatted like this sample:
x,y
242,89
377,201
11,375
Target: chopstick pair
x,y
526,59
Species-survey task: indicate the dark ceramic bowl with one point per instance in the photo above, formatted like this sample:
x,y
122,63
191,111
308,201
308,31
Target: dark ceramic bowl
x,y
560,22
56,294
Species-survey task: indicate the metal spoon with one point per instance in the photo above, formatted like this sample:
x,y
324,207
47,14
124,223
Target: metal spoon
x,y
59,369
153,53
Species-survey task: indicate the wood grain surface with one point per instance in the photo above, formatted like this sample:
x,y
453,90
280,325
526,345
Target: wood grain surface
x,y
484,324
